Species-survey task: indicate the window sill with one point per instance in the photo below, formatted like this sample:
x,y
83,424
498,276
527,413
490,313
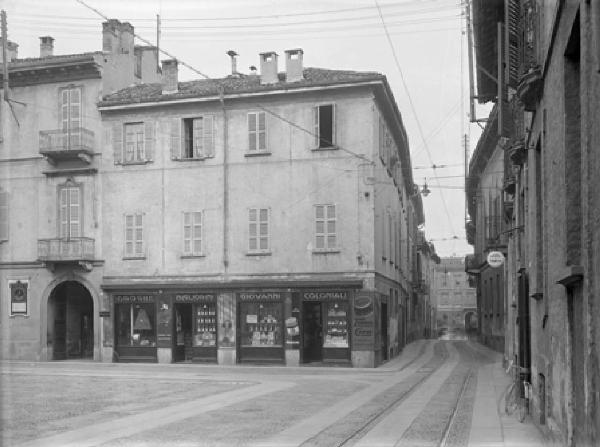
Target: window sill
x,y
257,154
133,258
323,149
131,163
190,159
192,256
331,251
258,253
18,316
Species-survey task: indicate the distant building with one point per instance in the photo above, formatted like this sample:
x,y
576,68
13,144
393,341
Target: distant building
x,y
456,306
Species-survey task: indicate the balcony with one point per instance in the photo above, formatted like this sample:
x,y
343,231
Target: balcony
x,y
78,250
71,144
473,263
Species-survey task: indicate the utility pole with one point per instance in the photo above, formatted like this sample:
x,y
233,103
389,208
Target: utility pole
x,y
157,43
466,147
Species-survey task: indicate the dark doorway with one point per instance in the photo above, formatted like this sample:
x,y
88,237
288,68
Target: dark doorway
x,y
71,322
384,331
183,332
312,332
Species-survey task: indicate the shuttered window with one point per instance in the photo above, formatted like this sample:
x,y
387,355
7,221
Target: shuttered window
x,y
70,117
134,235
258,230
325,227
324,126
69,212
192,233
257,132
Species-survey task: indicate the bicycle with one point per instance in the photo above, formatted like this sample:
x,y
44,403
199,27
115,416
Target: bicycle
x,y
524,400
518,393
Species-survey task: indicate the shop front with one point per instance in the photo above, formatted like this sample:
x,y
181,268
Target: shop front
x,y
135,328
195,327
260,327
325,318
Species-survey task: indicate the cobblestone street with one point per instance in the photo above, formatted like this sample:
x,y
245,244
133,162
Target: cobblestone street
x,y
435,393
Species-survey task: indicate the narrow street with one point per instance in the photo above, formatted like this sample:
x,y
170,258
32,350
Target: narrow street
x,y
436,393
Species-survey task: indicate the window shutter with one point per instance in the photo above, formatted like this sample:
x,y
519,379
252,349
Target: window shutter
x,y
175,139
3,215
117,138
513,40
252,125
333,126
209,136
149,139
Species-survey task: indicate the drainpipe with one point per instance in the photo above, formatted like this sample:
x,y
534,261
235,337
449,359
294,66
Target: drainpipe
x,y
225,185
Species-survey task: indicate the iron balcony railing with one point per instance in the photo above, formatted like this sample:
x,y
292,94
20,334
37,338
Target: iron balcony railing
x,y
66,250
66,141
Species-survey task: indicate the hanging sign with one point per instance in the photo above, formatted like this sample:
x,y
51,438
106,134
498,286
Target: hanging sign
x,y
495,259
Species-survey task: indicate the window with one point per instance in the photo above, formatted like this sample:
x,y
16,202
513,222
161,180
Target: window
x,y
261,324
3,216
258,230
325,227
199,137
324,120
257,132
70,116
134,235
134,143
192,233
69,212
136,324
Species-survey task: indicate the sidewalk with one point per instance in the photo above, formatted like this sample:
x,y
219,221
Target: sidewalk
x,y
490,426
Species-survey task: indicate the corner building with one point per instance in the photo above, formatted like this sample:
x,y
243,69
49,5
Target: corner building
x,y
262,218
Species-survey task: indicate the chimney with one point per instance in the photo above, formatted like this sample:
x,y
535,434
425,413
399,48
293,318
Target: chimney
x,y
11,51
232,54
117,37
252,70
46,46
268,68
169,76
293,65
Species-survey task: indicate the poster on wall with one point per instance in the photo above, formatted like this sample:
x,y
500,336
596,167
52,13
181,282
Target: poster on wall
x,y
18,298
363,325
164,322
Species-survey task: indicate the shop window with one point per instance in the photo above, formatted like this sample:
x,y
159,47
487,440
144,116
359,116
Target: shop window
x,y
257,132
205,330
336,326
325,227
134,235
324,122
192,233
136,325
261,324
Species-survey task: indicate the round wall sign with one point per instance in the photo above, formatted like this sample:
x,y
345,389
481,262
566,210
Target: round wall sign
x,y
495,259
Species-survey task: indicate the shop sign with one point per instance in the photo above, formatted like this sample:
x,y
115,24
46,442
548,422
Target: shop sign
x,y
363,327
122,299
495,259
18,298
260,296
194,298
324,296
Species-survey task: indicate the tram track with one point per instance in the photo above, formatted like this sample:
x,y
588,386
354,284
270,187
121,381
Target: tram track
x,y
362,420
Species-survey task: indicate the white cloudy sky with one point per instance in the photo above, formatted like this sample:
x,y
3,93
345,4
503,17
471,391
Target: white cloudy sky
x,y
338,34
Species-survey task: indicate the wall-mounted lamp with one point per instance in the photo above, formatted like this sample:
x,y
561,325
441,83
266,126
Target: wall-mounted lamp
x,y
424,190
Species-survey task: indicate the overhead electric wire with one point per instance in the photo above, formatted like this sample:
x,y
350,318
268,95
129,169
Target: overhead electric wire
x,y
434,7
413,109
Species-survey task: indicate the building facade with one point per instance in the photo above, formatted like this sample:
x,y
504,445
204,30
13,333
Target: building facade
x,y
51,261
264,218
455,298
547,97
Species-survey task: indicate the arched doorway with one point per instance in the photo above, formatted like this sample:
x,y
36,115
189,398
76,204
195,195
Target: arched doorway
x,y
70,322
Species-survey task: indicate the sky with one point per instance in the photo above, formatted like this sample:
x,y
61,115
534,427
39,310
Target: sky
x,y
423,55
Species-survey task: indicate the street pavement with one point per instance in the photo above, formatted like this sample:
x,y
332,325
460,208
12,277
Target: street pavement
x,y
436,393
